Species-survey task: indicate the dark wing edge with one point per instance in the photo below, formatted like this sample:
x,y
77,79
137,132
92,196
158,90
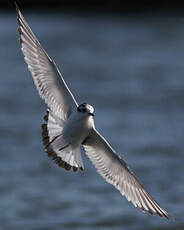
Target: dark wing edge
x,y
116,172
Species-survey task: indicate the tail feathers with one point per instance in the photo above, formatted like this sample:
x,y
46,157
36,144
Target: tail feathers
x,y
56,147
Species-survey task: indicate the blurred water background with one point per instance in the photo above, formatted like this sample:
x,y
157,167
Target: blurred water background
x,y
131,70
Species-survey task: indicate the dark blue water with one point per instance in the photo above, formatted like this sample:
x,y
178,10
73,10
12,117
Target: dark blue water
x,y
131,69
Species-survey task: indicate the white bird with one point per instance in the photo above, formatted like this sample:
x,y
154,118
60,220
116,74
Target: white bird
x,y
69,125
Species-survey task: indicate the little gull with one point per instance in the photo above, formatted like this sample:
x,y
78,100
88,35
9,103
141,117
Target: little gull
x,y
68,126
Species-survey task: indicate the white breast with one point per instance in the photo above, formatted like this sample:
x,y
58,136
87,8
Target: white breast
x,y
77,128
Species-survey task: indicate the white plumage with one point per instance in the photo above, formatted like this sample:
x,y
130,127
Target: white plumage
x,y
68,126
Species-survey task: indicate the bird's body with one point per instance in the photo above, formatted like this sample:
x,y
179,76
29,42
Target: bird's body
x,y
77,128
69,126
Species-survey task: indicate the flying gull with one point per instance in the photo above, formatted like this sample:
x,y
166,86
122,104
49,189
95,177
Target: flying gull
x,y
68,126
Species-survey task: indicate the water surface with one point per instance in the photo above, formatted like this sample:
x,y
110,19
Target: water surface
x,y
131,70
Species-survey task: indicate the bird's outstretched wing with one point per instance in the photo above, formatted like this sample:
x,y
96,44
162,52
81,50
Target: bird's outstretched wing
x,y
47,78
115,171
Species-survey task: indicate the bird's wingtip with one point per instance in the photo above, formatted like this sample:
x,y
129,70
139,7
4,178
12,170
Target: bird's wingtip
x,y
169,217
16,6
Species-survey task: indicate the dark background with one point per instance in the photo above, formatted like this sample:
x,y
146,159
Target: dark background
x,y
116,6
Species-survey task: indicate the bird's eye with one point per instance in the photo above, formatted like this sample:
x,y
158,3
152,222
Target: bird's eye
x,y
81,109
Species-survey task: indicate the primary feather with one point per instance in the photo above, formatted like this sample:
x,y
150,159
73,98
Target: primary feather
x,y
115,171
47,78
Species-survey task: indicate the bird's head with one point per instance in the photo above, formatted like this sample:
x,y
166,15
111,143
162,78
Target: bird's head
x,y
86,109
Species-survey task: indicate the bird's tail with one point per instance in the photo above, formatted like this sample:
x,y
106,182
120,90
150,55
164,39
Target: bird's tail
x,y
56,147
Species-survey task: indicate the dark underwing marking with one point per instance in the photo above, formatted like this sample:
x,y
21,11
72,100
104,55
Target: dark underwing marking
x,y
52,141
75,169
50,152
68,167
54,156
62,164
58,160
85,140
46,117
64,147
